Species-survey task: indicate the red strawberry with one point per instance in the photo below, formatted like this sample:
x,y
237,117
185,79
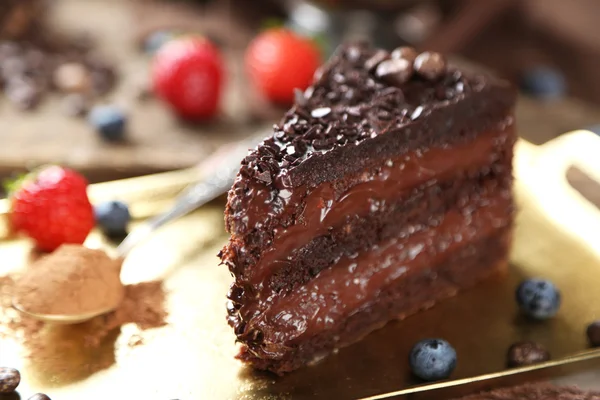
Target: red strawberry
x,y
188,74
278,61
52,207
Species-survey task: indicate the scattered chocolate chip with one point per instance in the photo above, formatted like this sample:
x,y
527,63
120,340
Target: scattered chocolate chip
x,y
430,65
339,78
299,97
405,53
279,135
231,306
394,72
235,293
9,49
353,53
240,328
75,105
35,59
309,92
23,94
348,104
593,333
416,113
319,74
300,146
526,353
9,379
257,335
264,177
378,57
72,78
103,76
39,396
302,113
320,112
12,67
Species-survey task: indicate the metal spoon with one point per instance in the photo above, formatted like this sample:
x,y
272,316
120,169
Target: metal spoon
x,y
61,319
219,170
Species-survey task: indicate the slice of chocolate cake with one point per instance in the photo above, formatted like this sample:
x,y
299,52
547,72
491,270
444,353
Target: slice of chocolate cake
x,y
540,391
385,188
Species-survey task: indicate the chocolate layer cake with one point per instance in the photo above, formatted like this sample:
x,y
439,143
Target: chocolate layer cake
x,y
383,190
541,391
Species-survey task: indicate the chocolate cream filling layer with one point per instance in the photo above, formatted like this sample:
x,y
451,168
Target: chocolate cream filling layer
x,y
472,263
353,281
326,208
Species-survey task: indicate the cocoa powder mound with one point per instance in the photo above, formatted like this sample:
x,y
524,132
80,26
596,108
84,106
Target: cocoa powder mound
x,y
143,304
72,280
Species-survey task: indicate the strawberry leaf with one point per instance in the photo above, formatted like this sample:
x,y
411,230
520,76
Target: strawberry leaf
x,y
13,184
271,23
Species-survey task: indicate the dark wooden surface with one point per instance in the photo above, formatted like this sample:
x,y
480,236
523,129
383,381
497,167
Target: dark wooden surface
x,y
157,140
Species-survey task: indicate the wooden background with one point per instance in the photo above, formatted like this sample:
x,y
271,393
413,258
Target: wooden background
x,y
157,140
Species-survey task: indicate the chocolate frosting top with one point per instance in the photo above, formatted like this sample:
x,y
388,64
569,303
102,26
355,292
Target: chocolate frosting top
x,y
347,104
365,105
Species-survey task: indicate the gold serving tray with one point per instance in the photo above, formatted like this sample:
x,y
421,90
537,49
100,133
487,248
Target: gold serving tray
x,y
193,357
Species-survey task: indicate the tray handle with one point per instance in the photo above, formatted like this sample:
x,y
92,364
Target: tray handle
x,y
561,201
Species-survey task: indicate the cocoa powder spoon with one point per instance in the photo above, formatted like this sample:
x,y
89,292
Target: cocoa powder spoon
x,y
61,319
220,171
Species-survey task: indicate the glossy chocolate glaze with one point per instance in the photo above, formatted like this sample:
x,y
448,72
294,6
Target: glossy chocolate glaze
x,y
327,206
331,208
352,281
469,265
422,208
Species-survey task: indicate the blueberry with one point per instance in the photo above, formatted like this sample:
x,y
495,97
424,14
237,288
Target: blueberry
x,y
538,298
544,82
112,217
155,40
432,359
109,121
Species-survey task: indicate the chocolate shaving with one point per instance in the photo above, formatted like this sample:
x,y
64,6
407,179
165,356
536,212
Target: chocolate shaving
x,y
360,92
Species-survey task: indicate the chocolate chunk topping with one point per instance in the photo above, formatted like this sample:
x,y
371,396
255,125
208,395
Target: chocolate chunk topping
x,y
405,53
395,72
375,59
23,94
430,65
299,97
320,112
358,94
526,353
